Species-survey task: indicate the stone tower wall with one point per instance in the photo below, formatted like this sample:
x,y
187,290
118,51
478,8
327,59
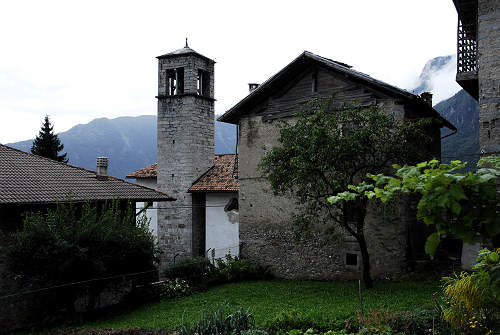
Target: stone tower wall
x,y
489,75
185,152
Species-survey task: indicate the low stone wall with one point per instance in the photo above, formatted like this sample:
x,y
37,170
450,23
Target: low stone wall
x,y
25,307
15,311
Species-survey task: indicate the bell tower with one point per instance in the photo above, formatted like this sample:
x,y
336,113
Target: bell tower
x,y
185,147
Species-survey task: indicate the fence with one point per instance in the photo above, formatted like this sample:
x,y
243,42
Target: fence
x,y
45,305
22,308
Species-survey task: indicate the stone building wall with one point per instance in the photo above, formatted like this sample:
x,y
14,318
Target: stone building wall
x,y
489,75
185,152
266,220
266,224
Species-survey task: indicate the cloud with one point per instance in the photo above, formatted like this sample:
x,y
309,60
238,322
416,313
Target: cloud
x,y
443,84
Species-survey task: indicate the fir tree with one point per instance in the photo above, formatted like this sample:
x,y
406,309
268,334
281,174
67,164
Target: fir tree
x,y
46,144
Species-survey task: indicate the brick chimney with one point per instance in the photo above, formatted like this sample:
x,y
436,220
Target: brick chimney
x,y
102,168
252,86
427,96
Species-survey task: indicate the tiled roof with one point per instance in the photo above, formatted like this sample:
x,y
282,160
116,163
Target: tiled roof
x,y
146,172
222,177
184,51
26,178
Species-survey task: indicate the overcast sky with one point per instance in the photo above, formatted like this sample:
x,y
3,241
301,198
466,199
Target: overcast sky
x,y
80,60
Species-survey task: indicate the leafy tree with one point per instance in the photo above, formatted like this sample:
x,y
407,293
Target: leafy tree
x,y
331,147
47,144
462,203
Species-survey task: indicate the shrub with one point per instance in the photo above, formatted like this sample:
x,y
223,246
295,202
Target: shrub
x,y
472,300
375,322
312,331
202,273
175,288
417,322
293,320
231,269
195,270
220,321
254,332
74,243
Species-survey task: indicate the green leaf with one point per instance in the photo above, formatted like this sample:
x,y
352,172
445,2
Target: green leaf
x,y
348,196
334,199
369,194
431,244
486,177
495,274
493,228
493,257
395,182
456,208
421,165
457,192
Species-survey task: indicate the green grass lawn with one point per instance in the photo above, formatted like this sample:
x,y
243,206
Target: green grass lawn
x,y
266,299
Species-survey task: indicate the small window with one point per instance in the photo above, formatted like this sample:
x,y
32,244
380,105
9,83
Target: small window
x,y
203,83
351,259
175,81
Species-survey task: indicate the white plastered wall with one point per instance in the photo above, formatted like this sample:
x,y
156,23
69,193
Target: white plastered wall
x,y
151,213
221,226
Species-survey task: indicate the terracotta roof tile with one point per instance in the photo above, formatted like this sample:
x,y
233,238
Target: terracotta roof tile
x,y
146,172
26,178
222,177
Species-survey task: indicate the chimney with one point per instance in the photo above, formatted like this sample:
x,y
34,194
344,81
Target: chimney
x,y
427,96
102,168
252,86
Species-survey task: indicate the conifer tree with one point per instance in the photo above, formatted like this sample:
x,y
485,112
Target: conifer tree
x,y
47,144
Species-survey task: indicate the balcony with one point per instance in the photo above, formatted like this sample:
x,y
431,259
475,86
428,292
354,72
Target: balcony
x,y
467,53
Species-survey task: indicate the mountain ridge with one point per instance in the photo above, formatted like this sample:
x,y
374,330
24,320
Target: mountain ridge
x,y
129,142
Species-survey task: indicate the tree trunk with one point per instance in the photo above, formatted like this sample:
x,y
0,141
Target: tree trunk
x,y
356,212
365,258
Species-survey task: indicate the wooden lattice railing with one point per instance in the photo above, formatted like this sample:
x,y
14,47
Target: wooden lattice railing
x,y
467,47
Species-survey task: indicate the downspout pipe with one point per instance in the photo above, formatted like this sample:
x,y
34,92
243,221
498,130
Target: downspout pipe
x,y
452,133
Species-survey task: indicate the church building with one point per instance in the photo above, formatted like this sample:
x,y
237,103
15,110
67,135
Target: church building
x,y
203,221
224,203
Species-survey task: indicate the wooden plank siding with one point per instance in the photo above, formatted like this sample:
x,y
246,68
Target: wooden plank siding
x,y
293,97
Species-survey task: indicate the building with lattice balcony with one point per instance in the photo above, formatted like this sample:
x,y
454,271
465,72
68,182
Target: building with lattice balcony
x,y
478,64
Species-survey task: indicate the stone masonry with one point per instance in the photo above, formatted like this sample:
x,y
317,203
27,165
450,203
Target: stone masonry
x,y
185,150
266,219
489,75
266,224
